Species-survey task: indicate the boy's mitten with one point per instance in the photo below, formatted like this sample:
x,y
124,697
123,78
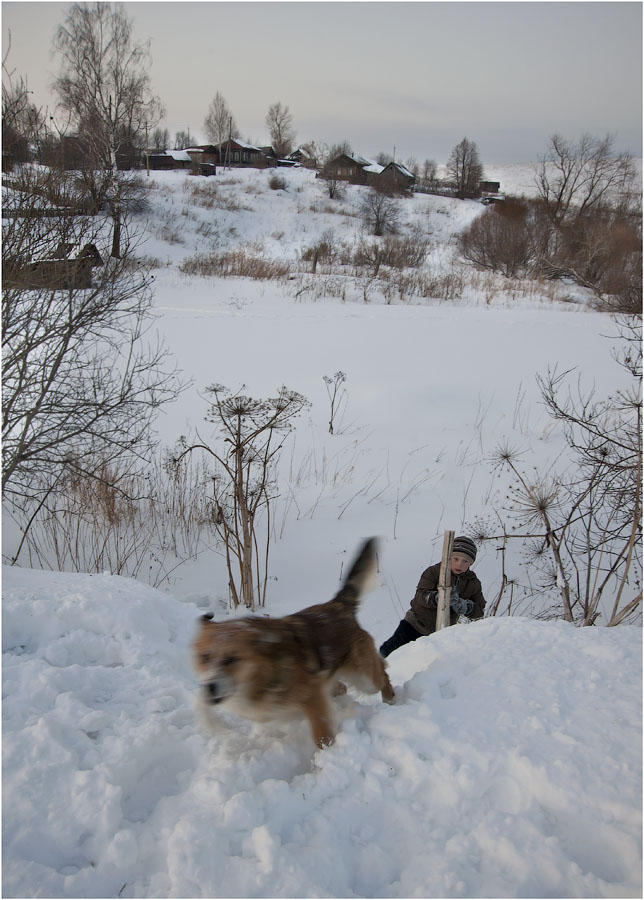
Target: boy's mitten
x,y
460,605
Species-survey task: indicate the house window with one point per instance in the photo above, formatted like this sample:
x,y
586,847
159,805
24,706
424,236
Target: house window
x,y
245,156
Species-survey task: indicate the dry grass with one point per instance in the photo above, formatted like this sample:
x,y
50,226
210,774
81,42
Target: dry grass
x,y
235,263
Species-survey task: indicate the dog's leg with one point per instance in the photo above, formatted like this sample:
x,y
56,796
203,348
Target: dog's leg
x,y
366,668
319,715
386,690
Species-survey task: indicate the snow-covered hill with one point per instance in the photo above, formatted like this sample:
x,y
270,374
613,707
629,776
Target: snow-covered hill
x,y
509,767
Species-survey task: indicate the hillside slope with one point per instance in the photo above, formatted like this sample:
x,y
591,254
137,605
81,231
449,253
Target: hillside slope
x,y
509,767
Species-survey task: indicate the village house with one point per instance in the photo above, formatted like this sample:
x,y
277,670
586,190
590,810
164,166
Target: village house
x,y
60,271
204,154
397,176
168,159
240,154
234,153
360,170
303,158
354,169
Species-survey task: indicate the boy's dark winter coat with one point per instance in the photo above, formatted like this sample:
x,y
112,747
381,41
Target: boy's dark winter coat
x,y
423,617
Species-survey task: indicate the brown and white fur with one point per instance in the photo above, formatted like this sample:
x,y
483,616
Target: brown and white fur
x,y
264,669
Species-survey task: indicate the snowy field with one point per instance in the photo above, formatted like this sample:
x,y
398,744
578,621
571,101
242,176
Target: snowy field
x,y
510,765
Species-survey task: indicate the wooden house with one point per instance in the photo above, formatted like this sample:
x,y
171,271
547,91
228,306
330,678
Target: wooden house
x,y
301,157
242,155
354,169
60,271
397,177
204,154
169,159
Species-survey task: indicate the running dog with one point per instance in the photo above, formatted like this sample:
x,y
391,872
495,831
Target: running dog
x,y
265,669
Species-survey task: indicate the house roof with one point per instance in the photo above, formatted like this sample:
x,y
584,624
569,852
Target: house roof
x,y
369,165
201,148
179,155
373,167
242,144
402,169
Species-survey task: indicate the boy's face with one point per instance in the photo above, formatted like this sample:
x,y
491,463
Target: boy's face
x,y
460,563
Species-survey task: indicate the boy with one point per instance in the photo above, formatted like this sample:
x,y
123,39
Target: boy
x,y
466,597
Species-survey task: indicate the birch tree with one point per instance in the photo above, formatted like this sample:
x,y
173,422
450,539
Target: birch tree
x,y
279,122
465,169
104,86
219,124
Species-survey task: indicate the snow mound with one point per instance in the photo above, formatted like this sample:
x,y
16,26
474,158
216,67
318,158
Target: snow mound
x,y
510,765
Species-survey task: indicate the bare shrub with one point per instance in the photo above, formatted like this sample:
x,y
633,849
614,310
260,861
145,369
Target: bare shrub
x,y
406,252
325,250
140,525
498,240
203,194
581,527
277,183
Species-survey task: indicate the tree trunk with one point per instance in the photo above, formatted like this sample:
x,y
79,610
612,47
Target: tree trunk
x,y
116,234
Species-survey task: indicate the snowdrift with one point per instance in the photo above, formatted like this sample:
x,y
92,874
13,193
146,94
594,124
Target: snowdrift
x,y
509,767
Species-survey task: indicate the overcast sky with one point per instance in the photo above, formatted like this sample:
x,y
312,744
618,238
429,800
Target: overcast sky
x,y
415,76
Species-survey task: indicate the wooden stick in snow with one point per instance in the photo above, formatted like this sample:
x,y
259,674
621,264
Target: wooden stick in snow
x,y
444,579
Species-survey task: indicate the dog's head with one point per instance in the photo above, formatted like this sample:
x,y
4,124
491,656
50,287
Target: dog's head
x,y
234,659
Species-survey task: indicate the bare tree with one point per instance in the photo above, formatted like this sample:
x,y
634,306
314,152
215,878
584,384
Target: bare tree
x,y
182,140
465,169
252,433
82,382
316,151
279,122
412,166
335,186
574,178
104,85
335,150
219,124
380,213
160,139
428,173
383,158
23,123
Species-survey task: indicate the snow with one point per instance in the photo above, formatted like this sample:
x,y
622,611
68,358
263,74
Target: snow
x,y
510,765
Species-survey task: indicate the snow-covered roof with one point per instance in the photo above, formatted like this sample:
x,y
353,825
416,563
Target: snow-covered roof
x,y
179,155
243,145
403,169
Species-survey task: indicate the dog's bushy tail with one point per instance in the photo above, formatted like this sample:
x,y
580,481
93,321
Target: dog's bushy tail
x,y
361,574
